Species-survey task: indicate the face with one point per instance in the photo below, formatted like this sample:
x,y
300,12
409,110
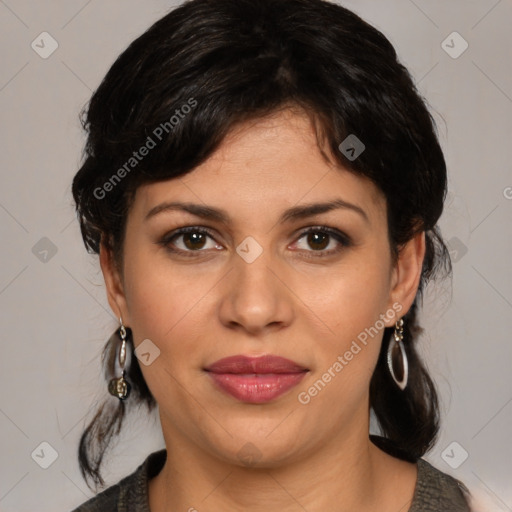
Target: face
x,y
257,283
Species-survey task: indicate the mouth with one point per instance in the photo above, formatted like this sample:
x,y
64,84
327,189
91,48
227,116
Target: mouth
x,y
256,379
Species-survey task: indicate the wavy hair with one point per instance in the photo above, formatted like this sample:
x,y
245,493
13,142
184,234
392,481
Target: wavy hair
x,y
241,60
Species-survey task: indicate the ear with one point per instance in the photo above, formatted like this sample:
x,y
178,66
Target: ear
x,y
114,284
407,273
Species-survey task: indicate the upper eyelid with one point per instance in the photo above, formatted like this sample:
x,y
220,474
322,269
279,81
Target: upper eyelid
x,y
300,233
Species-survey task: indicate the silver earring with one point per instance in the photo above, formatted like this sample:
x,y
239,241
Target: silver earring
x,y
120,387
398,336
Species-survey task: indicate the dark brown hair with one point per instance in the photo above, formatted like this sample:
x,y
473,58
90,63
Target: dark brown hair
x,y
244,59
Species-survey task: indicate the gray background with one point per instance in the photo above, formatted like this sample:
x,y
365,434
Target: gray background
x,y
53,309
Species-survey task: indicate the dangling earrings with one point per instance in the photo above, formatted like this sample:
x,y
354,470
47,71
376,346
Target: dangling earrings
x,y
120,387
398,336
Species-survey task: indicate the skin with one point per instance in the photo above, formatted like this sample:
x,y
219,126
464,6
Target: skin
x,y
288,302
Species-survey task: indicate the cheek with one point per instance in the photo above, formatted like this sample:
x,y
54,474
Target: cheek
x,y
353,296
346,356
172,307
158,294
163,307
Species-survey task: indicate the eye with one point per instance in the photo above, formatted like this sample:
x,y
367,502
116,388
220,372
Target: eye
x,y
321,237
193,240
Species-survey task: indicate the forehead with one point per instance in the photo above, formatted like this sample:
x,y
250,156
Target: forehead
x,y
262,167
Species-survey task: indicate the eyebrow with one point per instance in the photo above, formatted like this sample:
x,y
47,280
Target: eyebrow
x,y
295,213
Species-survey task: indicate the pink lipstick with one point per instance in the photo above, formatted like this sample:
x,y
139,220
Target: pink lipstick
x,y
256,379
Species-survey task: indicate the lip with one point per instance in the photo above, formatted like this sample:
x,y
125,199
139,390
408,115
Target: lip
x,y
256,379
260,364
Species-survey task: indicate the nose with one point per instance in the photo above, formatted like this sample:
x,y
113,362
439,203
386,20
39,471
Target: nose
x,y
256,298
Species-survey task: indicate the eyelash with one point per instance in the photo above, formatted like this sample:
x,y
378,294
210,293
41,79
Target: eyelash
x,y
340,237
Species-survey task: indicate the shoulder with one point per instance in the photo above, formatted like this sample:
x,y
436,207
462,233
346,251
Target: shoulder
x,y
106,501
437,491
131,493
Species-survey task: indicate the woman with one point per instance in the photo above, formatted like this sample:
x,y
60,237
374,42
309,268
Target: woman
x,y
262,184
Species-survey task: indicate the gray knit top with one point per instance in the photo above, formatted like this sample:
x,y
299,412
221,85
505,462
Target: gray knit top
x,y
435,491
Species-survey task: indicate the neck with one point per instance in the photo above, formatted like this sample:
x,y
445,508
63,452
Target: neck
x,y
349,471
